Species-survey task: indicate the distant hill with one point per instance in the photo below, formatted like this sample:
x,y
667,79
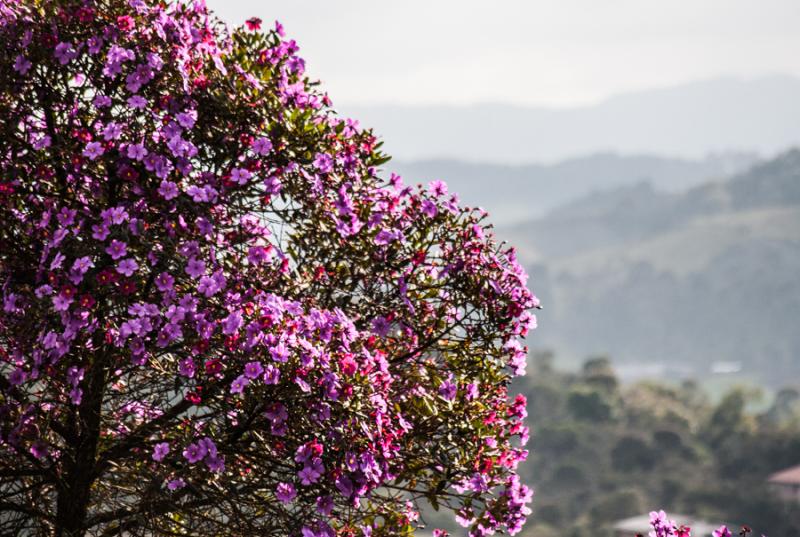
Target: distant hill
x,y
516,193
688,121
676,279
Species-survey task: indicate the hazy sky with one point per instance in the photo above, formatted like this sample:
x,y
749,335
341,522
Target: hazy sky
x,y
540,52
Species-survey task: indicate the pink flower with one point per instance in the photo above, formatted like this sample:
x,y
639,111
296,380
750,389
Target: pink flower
x,y
722,531
253,24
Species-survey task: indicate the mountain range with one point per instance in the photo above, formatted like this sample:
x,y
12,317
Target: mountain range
x,y
687,121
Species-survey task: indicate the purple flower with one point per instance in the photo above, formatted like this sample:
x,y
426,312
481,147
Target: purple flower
x,y
165,282
448,390
127,267
239,383
22,65
272,375
262,146
117,249
285,492
137,152
323,162
65,53
186,367
61,302
385,236
195,267
195,452
112,131
311,472
216,463
82,264
75,396
232,323
17,377
160,451
253,370
381,326
187,119
176,484
429,208
168,190
324,505
240,176
93,150
137,101
279,353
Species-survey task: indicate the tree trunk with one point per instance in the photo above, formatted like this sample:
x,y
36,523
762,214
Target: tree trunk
x,y
74,492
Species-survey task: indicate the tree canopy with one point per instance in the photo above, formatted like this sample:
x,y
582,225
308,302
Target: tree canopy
x,y
218,316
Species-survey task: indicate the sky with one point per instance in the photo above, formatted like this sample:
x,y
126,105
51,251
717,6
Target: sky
x,y
553,53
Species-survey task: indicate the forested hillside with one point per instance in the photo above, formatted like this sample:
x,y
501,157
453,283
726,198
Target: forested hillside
x,y
675,282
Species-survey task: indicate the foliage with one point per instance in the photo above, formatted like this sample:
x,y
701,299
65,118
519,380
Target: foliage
x,y
667,445
217,318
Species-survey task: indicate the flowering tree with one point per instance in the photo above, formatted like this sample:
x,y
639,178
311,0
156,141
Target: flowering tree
x,y
216,318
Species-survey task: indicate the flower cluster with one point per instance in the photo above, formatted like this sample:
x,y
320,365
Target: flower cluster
x,y
217,315
664,527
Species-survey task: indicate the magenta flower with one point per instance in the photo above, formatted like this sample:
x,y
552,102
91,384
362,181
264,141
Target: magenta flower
x,y
438,188
93,150
117,249
160,451
285,492
722,531
127,267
